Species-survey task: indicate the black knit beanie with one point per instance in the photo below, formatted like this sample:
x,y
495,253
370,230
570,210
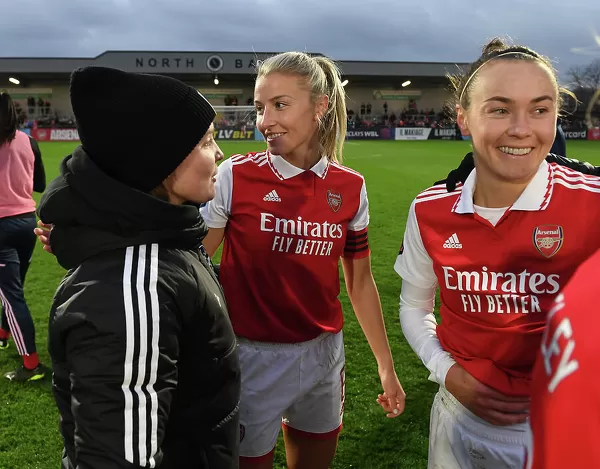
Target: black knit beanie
x,y
137,127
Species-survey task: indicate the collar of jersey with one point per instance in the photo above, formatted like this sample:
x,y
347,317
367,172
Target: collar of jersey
x,y
535,196
285,170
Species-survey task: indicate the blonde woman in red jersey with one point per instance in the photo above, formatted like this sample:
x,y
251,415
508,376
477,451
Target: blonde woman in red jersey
x,y
499,247
287,215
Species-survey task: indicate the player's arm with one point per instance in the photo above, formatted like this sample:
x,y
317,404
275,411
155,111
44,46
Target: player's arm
x,y
216,212
364,296
419,328
365,300
565,416
417,300
213,240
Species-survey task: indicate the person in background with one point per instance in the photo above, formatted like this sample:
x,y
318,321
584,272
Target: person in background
x,y
559,147
21,173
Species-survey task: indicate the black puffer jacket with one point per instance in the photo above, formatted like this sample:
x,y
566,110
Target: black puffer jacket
x,y
146,372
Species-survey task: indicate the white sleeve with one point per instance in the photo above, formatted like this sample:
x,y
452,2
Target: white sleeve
x,y
361,219
413,263
419,327
216,212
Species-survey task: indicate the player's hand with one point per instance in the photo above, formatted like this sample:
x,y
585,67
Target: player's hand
x,y
393,398
43,235
485,402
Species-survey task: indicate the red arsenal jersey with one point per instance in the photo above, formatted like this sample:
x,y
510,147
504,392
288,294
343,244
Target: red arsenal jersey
x,y
285,231
497,283
565,400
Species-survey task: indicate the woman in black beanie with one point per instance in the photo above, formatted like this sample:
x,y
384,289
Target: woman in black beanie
x,y
146,371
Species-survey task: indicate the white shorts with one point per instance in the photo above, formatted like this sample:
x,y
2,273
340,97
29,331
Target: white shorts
x,y
300,385
458,439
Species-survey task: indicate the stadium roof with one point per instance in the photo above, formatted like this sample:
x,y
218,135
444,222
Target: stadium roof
x,y
187,65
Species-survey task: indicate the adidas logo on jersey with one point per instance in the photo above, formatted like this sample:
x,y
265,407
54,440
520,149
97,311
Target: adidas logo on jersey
x,y
272,197
453,243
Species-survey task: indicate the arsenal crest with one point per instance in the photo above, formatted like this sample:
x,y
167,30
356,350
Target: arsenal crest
x,y
334,199
548,239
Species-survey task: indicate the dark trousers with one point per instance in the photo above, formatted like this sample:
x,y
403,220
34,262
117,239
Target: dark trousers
x,y
17,242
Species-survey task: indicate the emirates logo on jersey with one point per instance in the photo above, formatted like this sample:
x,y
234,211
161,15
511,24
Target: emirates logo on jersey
x,y
334,199
548,239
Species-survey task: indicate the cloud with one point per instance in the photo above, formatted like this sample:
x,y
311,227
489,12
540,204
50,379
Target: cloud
x,y
435,30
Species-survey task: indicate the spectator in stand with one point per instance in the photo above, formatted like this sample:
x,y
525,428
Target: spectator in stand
x,y
31,104
21,173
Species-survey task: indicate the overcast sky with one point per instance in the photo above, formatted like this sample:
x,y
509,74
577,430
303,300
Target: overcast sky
x,y
394,30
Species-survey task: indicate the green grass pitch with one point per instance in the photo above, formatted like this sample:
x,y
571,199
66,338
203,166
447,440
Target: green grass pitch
x,y
395,172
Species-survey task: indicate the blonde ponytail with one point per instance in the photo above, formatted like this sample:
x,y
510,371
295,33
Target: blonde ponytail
x,y
335,123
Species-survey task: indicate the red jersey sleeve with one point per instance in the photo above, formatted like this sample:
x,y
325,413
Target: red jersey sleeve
x,y
357,237
357,244
565,408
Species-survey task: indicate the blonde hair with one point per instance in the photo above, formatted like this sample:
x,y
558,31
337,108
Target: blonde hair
x,y
323,77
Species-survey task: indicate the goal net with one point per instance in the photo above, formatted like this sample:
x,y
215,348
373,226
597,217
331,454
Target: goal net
x,y
235,122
